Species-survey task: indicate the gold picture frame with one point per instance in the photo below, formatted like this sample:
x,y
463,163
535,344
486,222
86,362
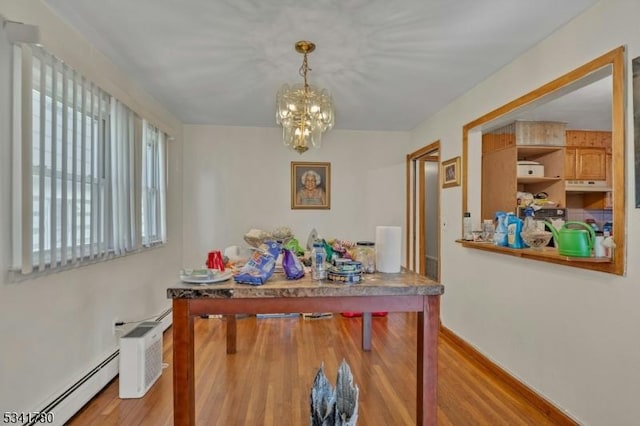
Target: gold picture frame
x,y
310,185
450,172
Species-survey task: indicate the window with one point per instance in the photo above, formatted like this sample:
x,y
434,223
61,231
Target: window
x,y
76,167
153,185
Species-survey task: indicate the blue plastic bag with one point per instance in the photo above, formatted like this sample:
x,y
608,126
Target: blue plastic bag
x,y
292,266
261,265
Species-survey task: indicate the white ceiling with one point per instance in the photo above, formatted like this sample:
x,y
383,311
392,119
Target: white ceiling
x,y
389,64
585,105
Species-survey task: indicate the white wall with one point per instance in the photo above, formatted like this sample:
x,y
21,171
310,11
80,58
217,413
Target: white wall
x,y
55,328
569,333
238,178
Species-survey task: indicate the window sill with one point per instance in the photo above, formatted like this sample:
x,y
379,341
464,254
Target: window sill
x,y
16,275
547,254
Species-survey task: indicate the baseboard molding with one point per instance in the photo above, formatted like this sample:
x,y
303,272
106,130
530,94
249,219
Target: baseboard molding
x,y
166,319
554,414
72,399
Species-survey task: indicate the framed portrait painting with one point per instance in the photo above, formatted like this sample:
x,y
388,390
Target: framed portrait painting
x,y
310,185
450,172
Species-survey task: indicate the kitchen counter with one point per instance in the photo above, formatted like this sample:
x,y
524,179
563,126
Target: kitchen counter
x,y
548,254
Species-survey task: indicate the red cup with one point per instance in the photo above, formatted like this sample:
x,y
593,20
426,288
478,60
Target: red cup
x,y
215,260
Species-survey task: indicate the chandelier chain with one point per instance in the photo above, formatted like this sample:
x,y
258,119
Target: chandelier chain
x,y
304,68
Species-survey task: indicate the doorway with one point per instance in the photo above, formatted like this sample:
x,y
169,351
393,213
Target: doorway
x,y
423,211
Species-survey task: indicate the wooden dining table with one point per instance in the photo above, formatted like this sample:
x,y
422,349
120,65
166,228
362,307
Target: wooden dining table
x,y
405,291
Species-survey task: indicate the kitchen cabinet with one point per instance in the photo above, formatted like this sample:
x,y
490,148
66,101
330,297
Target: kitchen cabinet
x,y
585,163
588,157
570,164
586,154
588,138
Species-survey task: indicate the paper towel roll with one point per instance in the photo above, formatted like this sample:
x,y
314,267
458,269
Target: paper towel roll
x,y
388,248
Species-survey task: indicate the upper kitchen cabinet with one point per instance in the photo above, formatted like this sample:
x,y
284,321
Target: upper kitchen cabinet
x,y
588,169
586,164
590,100
586,154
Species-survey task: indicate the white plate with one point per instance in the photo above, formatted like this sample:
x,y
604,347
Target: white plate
x,y
206,280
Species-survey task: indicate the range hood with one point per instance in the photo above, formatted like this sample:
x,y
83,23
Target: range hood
x,y
587,186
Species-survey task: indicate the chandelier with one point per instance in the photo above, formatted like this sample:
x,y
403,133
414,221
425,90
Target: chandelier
x,y
303,111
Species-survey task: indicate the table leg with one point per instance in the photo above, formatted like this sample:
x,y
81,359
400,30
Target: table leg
x,y
427,379
184,401
366,331
231,333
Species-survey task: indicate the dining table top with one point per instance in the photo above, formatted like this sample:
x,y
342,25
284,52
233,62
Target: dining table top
x,y
404,283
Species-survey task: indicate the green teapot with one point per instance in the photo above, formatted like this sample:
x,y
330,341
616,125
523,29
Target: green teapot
x,y
573,242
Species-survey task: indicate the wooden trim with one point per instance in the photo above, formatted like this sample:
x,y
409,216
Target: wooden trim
x,y
410,258
411,194
615,58
421,212
424,150
547,254
618,158
555,415
463,168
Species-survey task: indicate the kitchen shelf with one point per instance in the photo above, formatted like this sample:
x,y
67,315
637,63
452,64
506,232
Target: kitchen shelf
x,y
500,183
530,151
537,179
547,254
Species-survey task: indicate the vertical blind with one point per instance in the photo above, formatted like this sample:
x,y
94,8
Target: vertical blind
x,y
123,236
74,197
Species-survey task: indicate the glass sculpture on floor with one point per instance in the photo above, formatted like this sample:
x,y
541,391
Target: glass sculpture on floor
x,y
334,407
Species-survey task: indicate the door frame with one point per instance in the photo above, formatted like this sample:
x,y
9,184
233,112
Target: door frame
x,y
415,206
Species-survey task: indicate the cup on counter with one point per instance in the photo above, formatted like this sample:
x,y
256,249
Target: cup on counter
x,y
598,249
215,260
488,229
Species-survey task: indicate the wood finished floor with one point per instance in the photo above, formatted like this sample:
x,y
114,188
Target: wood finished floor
x,y
267,382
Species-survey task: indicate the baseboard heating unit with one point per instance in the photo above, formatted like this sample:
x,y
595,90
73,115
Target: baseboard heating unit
x,y
140,359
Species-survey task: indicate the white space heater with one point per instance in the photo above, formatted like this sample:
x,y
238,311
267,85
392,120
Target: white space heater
x,y
140,359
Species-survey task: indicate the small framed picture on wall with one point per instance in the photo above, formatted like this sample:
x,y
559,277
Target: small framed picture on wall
x,y
310,185
450,172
